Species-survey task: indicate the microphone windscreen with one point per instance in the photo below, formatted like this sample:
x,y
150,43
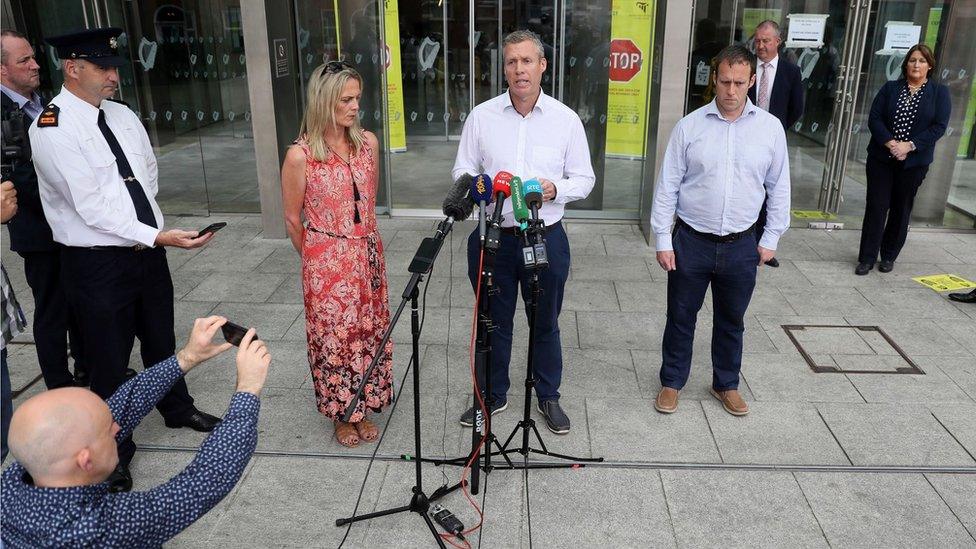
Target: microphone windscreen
x,y
502,183
533,192
481,189
519,209
457,203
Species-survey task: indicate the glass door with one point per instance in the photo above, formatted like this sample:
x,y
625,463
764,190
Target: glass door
x,y
948,195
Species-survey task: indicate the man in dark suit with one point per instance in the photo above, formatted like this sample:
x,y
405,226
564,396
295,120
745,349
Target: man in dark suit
x,y
30,234
778,90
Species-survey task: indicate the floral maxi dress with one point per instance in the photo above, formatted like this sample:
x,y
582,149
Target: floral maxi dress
x,y
344,283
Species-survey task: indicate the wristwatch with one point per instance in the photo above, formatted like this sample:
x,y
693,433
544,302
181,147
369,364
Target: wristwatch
x,y
912,143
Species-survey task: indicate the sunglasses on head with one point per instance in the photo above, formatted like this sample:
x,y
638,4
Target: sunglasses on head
x,y
333,67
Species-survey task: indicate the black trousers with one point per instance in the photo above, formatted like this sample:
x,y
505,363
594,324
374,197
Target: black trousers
x,y
760,227
119,294
890,198
54,324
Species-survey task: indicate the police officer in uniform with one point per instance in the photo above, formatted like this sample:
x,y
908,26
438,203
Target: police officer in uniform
x,y
30,235
98,180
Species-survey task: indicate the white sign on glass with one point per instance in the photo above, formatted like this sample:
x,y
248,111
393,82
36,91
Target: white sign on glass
x,y
806,30
899,37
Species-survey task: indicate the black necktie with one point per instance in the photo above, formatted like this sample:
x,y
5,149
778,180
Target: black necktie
x,y
143,210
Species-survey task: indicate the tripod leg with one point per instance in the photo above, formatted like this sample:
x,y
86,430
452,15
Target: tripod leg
x,y
433,530
539,438
367,516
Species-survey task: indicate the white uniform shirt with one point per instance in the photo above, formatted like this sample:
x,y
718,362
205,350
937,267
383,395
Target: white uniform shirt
x,y
548,143
84,198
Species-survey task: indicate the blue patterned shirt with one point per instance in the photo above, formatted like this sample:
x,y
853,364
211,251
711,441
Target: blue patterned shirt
x,y
90,516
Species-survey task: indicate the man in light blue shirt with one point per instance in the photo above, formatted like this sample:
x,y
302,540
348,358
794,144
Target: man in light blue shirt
x,y
722,161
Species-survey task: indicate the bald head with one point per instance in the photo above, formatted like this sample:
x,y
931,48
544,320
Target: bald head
x,y
64,437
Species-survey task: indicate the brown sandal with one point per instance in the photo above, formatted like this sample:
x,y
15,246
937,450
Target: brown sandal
x,y
346,434
367,430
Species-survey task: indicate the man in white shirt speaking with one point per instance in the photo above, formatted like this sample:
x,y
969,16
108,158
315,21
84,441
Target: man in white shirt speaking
x,y
531,135
97,179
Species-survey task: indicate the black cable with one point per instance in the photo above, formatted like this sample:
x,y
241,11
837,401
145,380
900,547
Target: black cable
x,y
379,442
447,349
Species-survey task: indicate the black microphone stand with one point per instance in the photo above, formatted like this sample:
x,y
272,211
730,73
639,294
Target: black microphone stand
x,y
482,359
536,258
421,264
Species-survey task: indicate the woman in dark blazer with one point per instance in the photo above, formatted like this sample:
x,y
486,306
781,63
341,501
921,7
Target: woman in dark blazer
x,y
908,116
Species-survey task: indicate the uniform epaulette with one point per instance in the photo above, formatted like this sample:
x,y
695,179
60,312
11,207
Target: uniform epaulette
x,y
119,101
49,117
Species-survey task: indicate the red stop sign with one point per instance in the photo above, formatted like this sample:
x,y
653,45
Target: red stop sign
x,y
626,60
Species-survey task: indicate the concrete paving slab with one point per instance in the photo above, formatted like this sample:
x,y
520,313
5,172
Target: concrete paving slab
x,y
233,260
824,301
788,378
957,492
774,432
236,288
772,325
881,510
915,336
648,367
151,469
183,283
582,295
892,434
645,297
607,508
918,302
934,386
271,320
306,496
606,330
958,419
284,261
744,508
961,370
787,275
633,245
632,430
289,291
581,244
592,267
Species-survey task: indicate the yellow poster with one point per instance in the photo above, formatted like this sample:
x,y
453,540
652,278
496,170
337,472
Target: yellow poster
x,y
632,34
811,214
751,17
945,282
394,79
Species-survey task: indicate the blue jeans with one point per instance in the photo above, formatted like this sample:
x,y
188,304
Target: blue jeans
x,y
731,270
510,275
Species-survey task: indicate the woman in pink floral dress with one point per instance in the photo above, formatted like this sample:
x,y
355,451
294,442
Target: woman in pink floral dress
x,y
330,176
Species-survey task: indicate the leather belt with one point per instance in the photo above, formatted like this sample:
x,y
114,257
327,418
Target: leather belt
x,y
721,239
135,248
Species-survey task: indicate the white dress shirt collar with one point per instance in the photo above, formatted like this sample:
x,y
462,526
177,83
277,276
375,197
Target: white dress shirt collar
x,y
712,109
68,100
539,103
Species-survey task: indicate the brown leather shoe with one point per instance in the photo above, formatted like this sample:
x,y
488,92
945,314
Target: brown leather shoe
x,y
666,401
732,401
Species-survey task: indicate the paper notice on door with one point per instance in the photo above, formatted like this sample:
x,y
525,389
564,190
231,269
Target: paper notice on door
x,y
899,37
702,72
806,30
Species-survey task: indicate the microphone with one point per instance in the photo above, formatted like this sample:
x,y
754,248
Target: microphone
x,y
481,194
457,204
501,187
533,196
519,210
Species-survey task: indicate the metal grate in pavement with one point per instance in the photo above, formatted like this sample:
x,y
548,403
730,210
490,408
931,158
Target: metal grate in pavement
x,y
848,349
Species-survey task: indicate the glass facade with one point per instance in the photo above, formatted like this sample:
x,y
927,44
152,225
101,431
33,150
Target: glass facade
x,y
427,63
186,79
827,145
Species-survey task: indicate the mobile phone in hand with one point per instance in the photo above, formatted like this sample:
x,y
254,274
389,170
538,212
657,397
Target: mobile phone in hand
x,y
234,333
212,228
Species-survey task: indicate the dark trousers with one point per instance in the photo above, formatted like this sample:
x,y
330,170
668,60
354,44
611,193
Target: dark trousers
x,y
54,324
119,294
510,276
731,270
890,197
